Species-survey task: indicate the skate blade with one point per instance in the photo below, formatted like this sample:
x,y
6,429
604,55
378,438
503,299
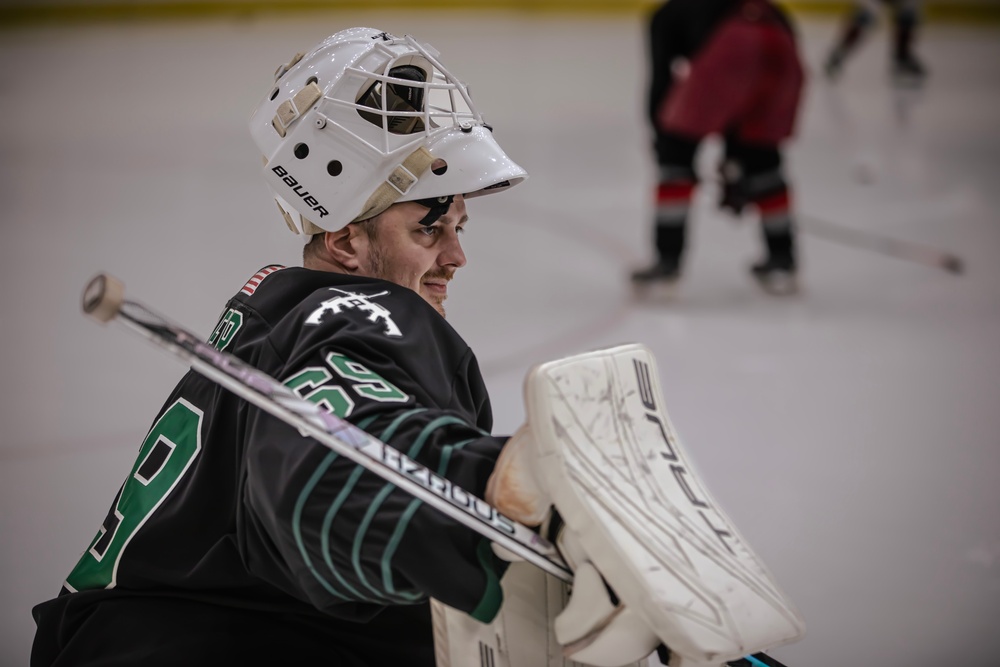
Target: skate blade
x,y
782,284
657,291
908,81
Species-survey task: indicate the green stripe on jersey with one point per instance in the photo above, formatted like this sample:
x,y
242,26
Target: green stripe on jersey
x,y
492,598
404,521
297,519
297,523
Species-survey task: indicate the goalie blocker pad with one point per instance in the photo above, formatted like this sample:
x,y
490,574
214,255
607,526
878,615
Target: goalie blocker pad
x,y
618,476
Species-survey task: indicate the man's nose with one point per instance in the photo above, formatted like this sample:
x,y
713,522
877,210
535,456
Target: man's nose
x,y
452,254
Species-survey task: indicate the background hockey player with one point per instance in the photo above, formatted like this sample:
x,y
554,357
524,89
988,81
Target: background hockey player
x,y
730,68
235,539
906,67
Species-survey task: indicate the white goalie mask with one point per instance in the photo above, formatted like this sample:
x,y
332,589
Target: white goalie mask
x,y
365,120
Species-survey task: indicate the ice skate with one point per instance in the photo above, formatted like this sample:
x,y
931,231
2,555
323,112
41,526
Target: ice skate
x,y
658,281
776,275
907,71
834,65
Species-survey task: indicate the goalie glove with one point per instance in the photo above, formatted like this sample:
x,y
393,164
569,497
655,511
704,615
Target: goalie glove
x,y
595,628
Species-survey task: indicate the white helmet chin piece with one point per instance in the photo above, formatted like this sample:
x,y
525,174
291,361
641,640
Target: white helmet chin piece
x,y
365,120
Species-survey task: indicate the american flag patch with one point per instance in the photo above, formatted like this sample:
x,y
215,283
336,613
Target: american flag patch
x,y
258,277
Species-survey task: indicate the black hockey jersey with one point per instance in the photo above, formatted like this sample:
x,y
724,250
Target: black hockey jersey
x,y
237,540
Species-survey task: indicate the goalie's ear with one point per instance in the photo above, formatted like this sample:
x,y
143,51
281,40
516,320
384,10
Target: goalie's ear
x,y
348,246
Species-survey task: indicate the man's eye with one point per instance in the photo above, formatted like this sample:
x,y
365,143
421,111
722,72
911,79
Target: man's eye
x,y
430,231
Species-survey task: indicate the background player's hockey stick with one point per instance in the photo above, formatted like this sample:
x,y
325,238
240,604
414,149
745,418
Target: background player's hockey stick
x,y
859,238
104,300
866,240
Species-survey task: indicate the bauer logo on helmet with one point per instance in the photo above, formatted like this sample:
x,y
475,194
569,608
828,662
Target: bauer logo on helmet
x,y
297,189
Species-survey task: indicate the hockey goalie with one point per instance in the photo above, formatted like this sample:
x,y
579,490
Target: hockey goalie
x,y
658,567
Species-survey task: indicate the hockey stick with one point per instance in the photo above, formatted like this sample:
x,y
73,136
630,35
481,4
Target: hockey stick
x,y
104,300
756,660
885,245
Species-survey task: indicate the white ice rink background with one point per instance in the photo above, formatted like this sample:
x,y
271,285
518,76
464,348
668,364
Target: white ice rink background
x,y
852,432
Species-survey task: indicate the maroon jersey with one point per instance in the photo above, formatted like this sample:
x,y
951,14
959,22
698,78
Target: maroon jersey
x,y
744,78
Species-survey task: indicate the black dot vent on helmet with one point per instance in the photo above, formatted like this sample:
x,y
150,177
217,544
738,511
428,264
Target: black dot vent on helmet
x,y
438,206
399,97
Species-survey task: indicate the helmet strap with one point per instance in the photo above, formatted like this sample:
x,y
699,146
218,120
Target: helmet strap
x,y
438,206
290,110
399,182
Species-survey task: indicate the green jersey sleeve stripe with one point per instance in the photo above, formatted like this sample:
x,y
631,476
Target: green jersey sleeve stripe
x,y
356,549
446,455
404,521
390,430
325,535
297,523
342,497
366,422
438,423
492,598
397,537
